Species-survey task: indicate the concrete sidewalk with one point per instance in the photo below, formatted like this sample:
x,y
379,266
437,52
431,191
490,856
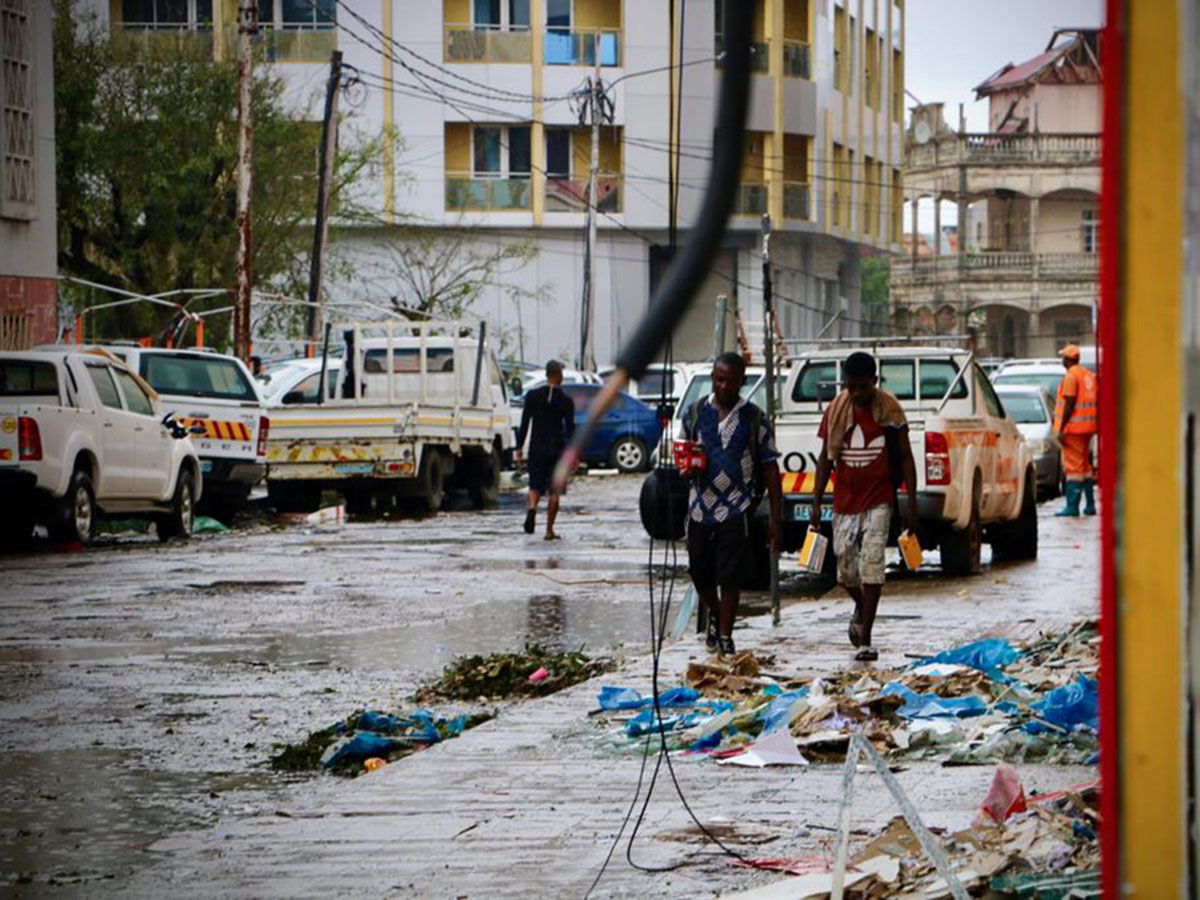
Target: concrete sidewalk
x,y
528,803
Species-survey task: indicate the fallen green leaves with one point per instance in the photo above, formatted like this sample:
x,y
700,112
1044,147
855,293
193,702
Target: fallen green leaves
x,y
509,674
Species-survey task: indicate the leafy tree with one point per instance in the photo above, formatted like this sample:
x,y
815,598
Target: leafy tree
x,y
875,292
146,145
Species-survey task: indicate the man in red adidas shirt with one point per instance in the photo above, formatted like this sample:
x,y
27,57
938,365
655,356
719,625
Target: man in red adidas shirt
x,y
865,434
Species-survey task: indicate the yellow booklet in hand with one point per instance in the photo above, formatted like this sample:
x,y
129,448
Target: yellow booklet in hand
x,y
812,554
910,549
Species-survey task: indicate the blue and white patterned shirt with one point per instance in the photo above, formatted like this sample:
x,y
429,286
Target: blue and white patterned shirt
x,y
725,490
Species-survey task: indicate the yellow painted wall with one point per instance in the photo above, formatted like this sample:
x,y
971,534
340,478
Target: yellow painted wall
x,y
456,12
839,44
754,157
597,14
458,147
758,29
581,151
795,20
795,157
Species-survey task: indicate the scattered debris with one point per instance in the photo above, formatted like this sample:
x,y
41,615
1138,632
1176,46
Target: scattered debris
x,y
208,525
510,674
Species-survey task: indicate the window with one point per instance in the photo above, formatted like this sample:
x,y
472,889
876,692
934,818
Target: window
x,y
105,387
408,360
166,13
936,376
896,377
306,391
135,398
500,152
818,381
27,379
17,182
1091,231
558,13
298,14
1025,410
558,152
502,14
196,375
994,406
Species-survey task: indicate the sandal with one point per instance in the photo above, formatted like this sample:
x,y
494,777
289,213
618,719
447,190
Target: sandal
x,y
866,654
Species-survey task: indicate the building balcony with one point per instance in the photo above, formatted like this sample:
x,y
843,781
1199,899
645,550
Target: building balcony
x,y
797,198
760,54
577,46
295,43
475,193
751,199
487,43
797,59
991,149
995,266
155,40
565,194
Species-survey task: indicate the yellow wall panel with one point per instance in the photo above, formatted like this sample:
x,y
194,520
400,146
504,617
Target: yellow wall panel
x,y
458,147
456,12
597,14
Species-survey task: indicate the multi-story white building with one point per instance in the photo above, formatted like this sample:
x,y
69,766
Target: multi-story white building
x,y
478,92
1024,270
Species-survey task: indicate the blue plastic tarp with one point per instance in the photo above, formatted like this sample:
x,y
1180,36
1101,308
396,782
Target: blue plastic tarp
x,y
778,711
363,745
611,697
989,655
931,706
381,723
1073,706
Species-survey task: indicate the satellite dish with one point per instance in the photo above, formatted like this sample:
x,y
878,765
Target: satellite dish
x,y
922,132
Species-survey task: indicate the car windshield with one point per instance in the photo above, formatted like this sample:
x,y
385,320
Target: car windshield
x,y
1047,381
1023,409
701,386
25,378
197,376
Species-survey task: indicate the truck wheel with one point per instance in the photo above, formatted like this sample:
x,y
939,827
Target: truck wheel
x,y
1019,540
289,497
178,522
432,479
483,477
628,454
78,518
961,550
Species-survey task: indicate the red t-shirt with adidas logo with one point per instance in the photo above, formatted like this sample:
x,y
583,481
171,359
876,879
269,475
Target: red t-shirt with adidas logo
x,y
863,474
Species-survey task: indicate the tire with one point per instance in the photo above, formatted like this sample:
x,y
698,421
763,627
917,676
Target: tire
x,y
961,550
1019,540
292,497
483,477
628,454
432,479
361,501
77,522
223,504
178,522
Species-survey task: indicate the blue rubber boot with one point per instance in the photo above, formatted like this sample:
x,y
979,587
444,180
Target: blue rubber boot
x,y
1089,496
1071,509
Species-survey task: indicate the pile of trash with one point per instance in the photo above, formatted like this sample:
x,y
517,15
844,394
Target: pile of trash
x,y
1045,846
534,672
984,702
369,739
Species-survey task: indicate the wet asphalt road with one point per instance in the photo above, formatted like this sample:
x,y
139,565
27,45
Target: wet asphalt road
x,y
142,686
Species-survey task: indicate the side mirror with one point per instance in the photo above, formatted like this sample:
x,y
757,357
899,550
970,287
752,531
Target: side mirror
x,y
198,430
176,430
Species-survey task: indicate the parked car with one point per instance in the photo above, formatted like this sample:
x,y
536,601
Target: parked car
x,y
216,393
82,438
649,388
625,436
1046,374
531,380
699,384
296,381
1032,410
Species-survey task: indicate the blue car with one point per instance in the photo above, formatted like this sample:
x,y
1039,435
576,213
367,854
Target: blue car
x,y
625,436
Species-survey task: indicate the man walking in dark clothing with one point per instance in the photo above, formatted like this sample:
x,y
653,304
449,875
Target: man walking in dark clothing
x,y
550,415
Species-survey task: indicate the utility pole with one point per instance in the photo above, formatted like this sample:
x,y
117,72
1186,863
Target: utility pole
x,y
324,183
587,350
769,359
244,264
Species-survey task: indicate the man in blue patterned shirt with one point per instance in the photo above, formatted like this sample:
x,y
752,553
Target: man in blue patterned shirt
x,y
742,464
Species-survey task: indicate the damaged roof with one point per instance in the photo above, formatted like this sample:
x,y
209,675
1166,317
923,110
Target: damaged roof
x,y
1073,61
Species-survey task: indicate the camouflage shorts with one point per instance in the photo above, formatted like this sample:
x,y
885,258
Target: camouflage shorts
x,y
860,543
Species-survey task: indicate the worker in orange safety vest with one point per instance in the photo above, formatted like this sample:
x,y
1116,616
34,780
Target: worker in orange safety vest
x,y
1075,425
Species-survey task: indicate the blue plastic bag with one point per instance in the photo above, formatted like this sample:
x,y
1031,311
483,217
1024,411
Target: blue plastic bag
x,y
422,727
678,696
378,722
611,697
778,711
931,706
1073,706
989,655
363,745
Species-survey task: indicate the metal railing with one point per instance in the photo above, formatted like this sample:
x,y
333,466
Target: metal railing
x,y
997,264
990,148
751,199
577,46
760,53
796,200
466,191
294,43
159,39
566,194
797,57
486,43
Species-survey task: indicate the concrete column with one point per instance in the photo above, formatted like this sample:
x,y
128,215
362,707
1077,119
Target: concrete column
x,y
913,210
537,132
937,226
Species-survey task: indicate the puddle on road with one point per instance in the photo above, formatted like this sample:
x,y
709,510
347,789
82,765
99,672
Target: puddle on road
x,y
75,816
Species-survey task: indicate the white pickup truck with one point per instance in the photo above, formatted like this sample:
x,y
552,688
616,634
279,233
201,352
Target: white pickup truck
x,y
81,437
413,409
975,472
215,395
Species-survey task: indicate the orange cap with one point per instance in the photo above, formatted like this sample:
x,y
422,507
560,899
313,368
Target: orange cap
x,y
1071,351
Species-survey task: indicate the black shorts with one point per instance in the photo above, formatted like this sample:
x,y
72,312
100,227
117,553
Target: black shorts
x,y
541,472
717,553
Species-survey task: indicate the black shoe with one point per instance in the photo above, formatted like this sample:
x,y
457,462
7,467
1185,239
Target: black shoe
x,y
530,521
711,640
726,646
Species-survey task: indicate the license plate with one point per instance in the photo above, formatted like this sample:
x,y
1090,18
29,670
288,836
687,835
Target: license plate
x,y
206,466
801,511
355,468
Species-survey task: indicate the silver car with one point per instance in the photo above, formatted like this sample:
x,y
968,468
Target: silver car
x,y
1032,411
